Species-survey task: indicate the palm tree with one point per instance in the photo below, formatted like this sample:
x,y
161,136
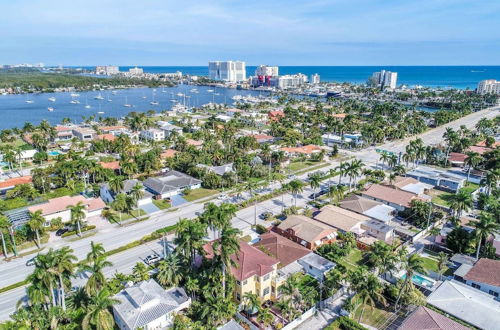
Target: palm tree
x,y
461,201
63,269
4,224
341,169
382,257
169,271
473,160
97,280
189,238
315,182
484,228
77,215
97,314
140,272
354,170
110,215
412,264
442,262
36,224
96,252
369,292
137,193
120,204
251,303
116,184
296,187
226,247
265,317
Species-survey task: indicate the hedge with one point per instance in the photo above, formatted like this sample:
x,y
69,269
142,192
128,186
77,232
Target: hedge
x,y
13,286
73,232
345,323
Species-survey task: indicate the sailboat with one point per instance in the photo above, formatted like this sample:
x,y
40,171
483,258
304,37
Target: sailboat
x,y
52,99
127,105
50,109
154,102
163,90
28,100
99,97
87,106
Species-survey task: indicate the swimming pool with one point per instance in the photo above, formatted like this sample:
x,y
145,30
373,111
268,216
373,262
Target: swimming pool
x,y
420,280
54,153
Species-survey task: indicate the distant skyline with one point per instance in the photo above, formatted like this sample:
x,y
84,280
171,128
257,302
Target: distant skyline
x,y
276,32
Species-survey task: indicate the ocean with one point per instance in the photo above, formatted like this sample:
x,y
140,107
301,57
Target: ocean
x,y
461,77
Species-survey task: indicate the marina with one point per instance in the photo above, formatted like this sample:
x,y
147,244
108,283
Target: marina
x,y
33,108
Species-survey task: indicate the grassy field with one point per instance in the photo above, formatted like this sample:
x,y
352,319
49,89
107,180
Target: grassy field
x,y
375,317
199,193
443,197
161,204
432,265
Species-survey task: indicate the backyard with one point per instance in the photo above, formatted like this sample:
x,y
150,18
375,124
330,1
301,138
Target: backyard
x,y
375,317
443,197
353,260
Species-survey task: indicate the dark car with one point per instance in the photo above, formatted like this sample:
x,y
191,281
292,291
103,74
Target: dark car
x,y
265,215
61,231
31,262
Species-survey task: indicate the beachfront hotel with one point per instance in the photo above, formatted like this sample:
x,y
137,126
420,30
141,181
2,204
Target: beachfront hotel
x,y
230,71
490,86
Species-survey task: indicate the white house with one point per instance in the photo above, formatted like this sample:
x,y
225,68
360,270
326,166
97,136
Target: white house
x,y
108,195
171,184
153,134
484,275
146,305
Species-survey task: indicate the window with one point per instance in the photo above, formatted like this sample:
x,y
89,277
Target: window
x,y
245,282
238,283
238,297
265,292
476,286
493,293
266,277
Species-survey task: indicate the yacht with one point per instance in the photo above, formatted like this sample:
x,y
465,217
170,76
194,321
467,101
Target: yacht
x,y
52,99
179,94
127,105
210,90
179,108
99,97
193,90
74,102
74,94
50,109
100,112
30,101
87,106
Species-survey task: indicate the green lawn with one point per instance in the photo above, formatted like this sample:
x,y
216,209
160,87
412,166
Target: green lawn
x,y
199,193
161,204
374,317
443,197
353,259
297,166
134,214
432,265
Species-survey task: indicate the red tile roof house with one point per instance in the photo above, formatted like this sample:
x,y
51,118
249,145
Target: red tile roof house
x,y
11,183
275,115
303,150
457,159
169,153
115,166
396,198
254,271
58,207
424,318
306,231
484,276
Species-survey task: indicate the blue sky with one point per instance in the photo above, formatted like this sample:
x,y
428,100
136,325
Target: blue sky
x,y
282,32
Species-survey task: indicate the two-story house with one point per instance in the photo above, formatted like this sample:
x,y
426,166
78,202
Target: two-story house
x,y
484,275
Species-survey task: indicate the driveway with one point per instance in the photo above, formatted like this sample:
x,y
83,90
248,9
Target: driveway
x,y
149,208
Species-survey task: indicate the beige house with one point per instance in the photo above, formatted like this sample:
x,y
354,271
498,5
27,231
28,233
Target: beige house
x,y
306,231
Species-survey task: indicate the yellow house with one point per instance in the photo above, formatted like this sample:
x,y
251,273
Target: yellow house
x,y
255,272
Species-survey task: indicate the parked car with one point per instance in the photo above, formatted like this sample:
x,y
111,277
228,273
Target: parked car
x,y
61,231
31,261
152,259
265,215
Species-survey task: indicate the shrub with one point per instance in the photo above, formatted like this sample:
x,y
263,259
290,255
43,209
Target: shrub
x,y
345,323
260,229
73,232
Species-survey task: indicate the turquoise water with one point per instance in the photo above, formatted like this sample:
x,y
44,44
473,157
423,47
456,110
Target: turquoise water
x,y
420,280
54,153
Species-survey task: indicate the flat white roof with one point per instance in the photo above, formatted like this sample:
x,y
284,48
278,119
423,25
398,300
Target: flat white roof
x,y
466,303
381,212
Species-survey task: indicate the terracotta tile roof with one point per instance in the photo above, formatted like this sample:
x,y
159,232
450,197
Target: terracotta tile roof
x,y
15,181
308,149
111,165
424,318
195,143
107,137
395,196
275,115
112,128
485,271
60,128
339,218
250,261
261,136
169,153
479,150
401,181
457,157
94,204
55,205
281,248
305,228
483,144
339,115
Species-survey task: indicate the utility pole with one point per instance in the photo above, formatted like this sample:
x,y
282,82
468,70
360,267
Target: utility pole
x,y
14,247
429,215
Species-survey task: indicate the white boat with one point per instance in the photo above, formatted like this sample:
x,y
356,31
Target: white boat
x,y
30,101
99,97
52,99
74,102
174,100
179,94
50,109
87,106
210,90
127,105
100,112
74,94
179,108
154,102
193,90
163,90
114,92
